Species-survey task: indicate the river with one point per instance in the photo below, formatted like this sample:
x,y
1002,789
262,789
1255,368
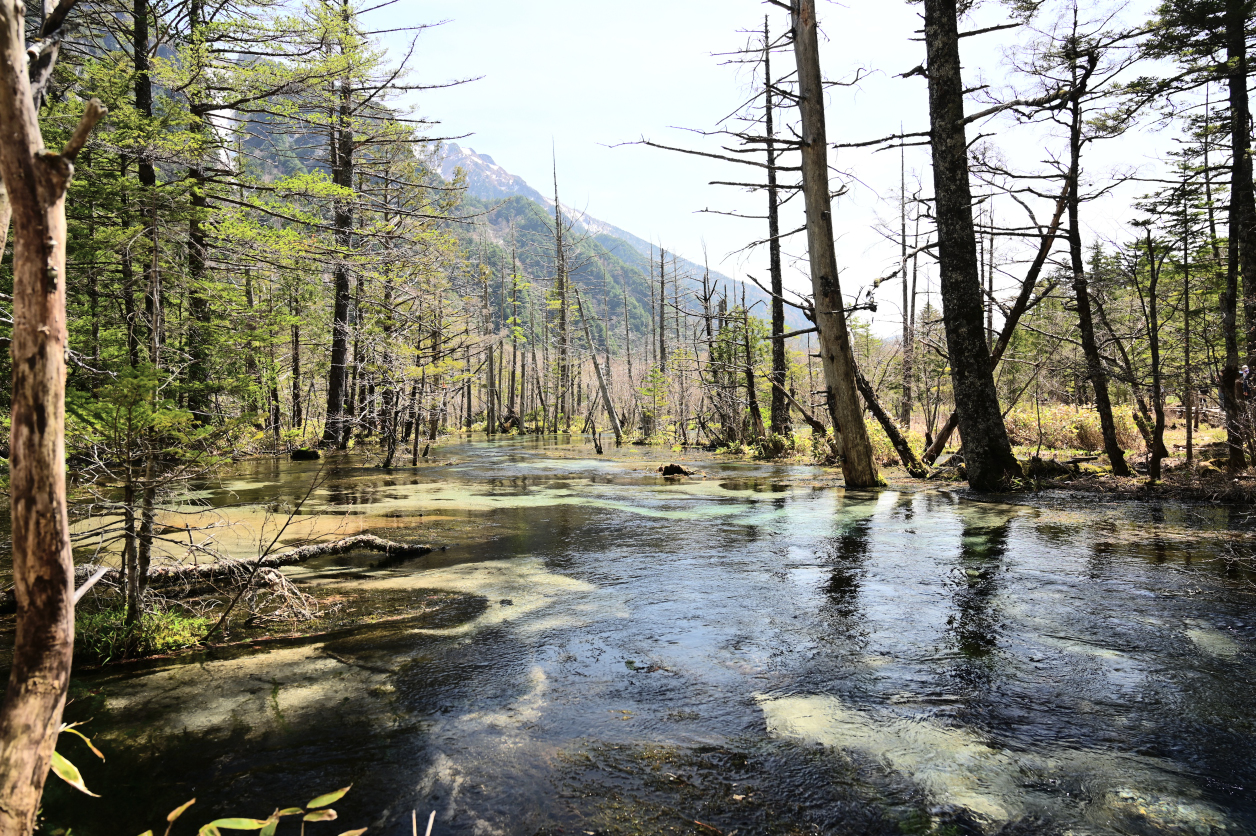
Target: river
x,y
756,651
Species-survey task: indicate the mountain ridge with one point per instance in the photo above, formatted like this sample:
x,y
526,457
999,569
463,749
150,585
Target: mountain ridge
x,y
488,181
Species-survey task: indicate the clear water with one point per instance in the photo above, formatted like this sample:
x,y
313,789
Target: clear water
x,y
753,652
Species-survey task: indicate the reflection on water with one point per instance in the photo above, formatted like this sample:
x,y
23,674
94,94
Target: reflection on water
x,y
748,650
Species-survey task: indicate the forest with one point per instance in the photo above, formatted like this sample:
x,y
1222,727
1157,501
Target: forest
x,y
246,255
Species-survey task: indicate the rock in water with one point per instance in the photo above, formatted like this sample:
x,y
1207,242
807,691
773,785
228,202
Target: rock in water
x,y
305,455
673,469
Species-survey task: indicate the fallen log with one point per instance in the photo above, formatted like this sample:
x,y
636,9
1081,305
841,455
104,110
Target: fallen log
x,y
892,432
231,569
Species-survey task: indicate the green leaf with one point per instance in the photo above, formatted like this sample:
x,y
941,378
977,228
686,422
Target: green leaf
x,y
320,815
271,825
357,832
178,811
147,833
290,811
329,798
70,727
209,830
69,773
238,824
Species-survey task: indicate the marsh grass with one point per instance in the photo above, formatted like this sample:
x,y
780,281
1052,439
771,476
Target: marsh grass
x,y
103,636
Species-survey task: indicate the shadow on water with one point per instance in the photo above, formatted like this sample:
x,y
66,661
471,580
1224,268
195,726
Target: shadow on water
x,y
744,651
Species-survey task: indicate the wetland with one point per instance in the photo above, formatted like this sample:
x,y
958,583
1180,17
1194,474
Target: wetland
x,y
592,648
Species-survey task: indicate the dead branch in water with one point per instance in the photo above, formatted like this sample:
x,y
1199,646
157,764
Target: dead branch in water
x,y
228,569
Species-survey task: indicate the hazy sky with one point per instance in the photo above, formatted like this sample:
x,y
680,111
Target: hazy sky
x,y
582,77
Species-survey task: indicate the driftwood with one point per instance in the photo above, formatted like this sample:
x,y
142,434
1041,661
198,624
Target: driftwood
x,y
229,569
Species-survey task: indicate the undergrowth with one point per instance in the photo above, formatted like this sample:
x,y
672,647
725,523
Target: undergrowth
x,y
104,636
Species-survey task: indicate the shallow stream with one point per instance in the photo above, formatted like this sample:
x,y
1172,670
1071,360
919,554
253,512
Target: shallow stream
x,y
753,652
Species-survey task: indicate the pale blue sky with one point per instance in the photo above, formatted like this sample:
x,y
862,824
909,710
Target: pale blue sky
x,y
584,76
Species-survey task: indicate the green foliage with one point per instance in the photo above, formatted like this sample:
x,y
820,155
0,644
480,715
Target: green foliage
x,y
104,635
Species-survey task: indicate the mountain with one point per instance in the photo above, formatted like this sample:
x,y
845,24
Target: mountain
x,y
485,178
624,255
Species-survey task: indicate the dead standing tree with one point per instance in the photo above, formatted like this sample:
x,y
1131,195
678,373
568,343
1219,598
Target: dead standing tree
x,y
859,469
43,568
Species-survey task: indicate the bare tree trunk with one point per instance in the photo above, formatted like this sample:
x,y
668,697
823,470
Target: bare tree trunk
x,y
43,568
1095,372
858,468
905,454
909,297
752,399
780,407
340,153
1158,451
987,450
662,311
601,381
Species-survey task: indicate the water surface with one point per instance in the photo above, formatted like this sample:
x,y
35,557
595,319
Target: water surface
x,y
751,652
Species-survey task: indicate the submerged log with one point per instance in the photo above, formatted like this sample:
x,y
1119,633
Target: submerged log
x,y
232,569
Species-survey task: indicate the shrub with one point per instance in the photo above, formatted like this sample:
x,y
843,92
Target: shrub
x,y
1067,427
104,635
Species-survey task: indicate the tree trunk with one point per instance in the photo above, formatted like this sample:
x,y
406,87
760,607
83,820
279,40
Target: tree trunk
x,y
1242,249
1158,451
987,451
43,569
780,407
199,329
752,399
1095,372
858,468
905,454
601,381
1009,322
340,153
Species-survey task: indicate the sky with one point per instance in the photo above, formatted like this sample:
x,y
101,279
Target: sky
x,y
575,81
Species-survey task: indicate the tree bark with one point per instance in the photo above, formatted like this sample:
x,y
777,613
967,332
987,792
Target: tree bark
x,y
200,327
779,419
43,570
858,468
601,381
1242,231
987,450
1095,372
340,153
905,454
1158,451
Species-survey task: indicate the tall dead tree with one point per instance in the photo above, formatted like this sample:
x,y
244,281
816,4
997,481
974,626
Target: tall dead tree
x,y
780,407
858,467
341,150
43,567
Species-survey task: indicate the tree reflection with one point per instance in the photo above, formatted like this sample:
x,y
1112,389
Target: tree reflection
x,y
977,620
848,553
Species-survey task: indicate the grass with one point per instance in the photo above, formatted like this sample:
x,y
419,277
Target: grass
x,y
104,636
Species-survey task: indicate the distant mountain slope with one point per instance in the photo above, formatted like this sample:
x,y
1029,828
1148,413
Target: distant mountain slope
x,y
489,183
